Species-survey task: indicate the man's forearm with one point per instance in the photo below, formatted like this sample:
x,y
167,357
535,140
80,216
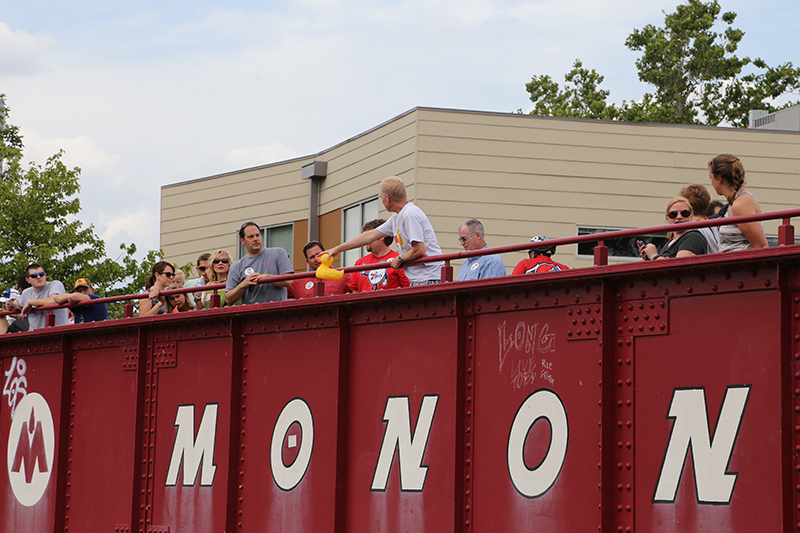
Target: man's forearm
x,y
234,295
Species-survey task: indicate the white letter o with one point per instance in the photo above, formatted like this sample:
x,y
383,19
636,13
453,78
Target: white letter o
x,y
287,477
546,404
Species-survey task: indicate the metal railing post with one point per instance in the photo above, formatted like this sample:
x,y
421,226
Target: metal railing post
x,y
447,272
319,288
600,254
786,232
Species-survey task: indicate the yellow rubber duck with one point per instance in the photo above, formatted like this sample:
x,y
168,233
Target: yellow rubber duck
x,y
324,271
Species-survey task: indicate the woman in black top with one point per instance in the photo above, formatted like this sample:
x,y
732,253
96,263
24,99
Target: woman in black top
x,y
684,243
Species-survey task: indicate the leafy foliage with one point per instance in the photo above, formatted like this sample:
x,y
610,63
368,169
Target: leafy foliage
x,y
697,76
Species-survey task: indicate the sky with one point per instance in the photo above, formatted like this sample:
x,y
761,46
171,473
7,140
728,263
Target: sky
x,y
145,94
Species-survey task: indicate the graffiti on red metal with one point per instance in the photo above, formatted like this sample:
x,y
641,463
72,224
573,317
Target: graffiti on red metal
x,y
16,383
528,340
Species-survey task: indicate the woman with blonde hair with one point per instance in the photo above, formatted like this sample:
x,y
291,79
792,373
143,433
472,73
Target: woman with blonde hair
x,y
727,177
178,303
219,264
682,243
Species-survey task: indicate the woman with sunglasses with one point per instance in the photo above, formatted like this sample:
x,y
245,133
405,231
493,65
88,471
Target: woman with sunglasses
x,y
160,277
219,264
727,177
178,303
682,243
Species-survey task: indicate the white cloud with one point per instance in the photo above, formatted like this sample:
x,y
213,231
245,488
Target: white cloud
x,y
82,152
139,227
21,52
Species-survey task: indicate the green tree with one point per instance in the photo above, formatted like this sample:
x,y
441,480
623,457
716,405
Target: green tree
x,y
581,96
697,76
40,225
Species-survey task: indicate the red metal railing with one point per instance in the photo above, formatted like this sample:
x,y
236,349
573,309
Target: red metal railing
x,y
786,235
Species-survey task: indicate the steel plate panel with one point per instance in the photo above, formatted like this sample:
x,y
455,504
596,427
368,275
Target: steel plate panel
x,y
199,382
739,345
408,361
287,373
102,440
41,374
518,355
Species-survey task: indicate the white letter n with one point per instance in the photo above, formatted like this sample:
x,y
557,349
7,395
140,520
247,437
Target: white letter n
x,y
192,451
713,483
410,450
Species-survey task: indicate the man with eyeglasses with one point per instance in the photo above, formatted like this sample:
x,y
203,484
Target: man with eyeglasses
x,y
202,270
259,263
471,237
40,293
412,231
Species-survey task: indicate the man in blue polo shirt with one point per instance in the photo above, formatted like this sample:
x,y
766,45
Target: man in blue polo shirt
x,y
471,237
83,292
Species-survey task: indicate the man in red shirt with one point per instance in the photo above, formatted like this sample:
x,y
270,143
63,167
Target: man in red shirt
x,y
304,288
539,259
382,278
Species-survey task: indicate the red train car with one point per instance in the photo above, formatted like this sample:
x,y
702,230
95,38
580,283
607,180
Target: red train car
x,y
657,396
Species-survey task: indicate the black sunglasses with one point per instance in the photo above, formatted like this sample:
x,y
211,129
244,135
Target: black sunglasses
x,y
202,269
168,274
36,275
685,213
225,261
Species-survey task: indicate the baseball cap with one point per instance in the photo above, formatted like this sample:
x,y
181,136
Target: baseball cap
x,y
82,282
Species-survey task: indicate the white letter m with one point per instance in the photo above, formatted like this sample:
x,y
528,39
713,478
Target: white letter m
x,y
190,451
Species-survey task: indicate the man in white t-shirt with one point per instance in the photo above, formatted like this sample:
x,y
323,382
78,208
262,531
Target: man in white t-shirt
x,y
412,231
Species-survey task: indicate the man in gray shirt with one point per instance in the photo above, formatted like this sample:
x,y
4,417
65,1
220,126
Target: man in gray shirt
x,y
258,263
39,293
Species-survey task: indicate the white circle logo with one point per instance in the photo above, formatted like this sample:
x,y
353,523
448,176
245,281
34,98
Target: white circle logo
x,y
376,277
248,271
309,285
31,445
474,266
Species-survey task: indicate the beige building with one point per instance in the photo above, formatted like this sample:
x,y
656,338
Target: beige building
x,y
520,175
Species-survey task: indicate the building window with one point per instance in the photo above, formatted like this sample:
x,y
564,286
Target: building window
x,y
274,237
624,248
354,218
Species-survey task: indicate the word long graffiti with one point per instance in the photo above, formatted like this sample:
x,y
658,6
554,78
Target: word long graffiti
x,y
526,338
